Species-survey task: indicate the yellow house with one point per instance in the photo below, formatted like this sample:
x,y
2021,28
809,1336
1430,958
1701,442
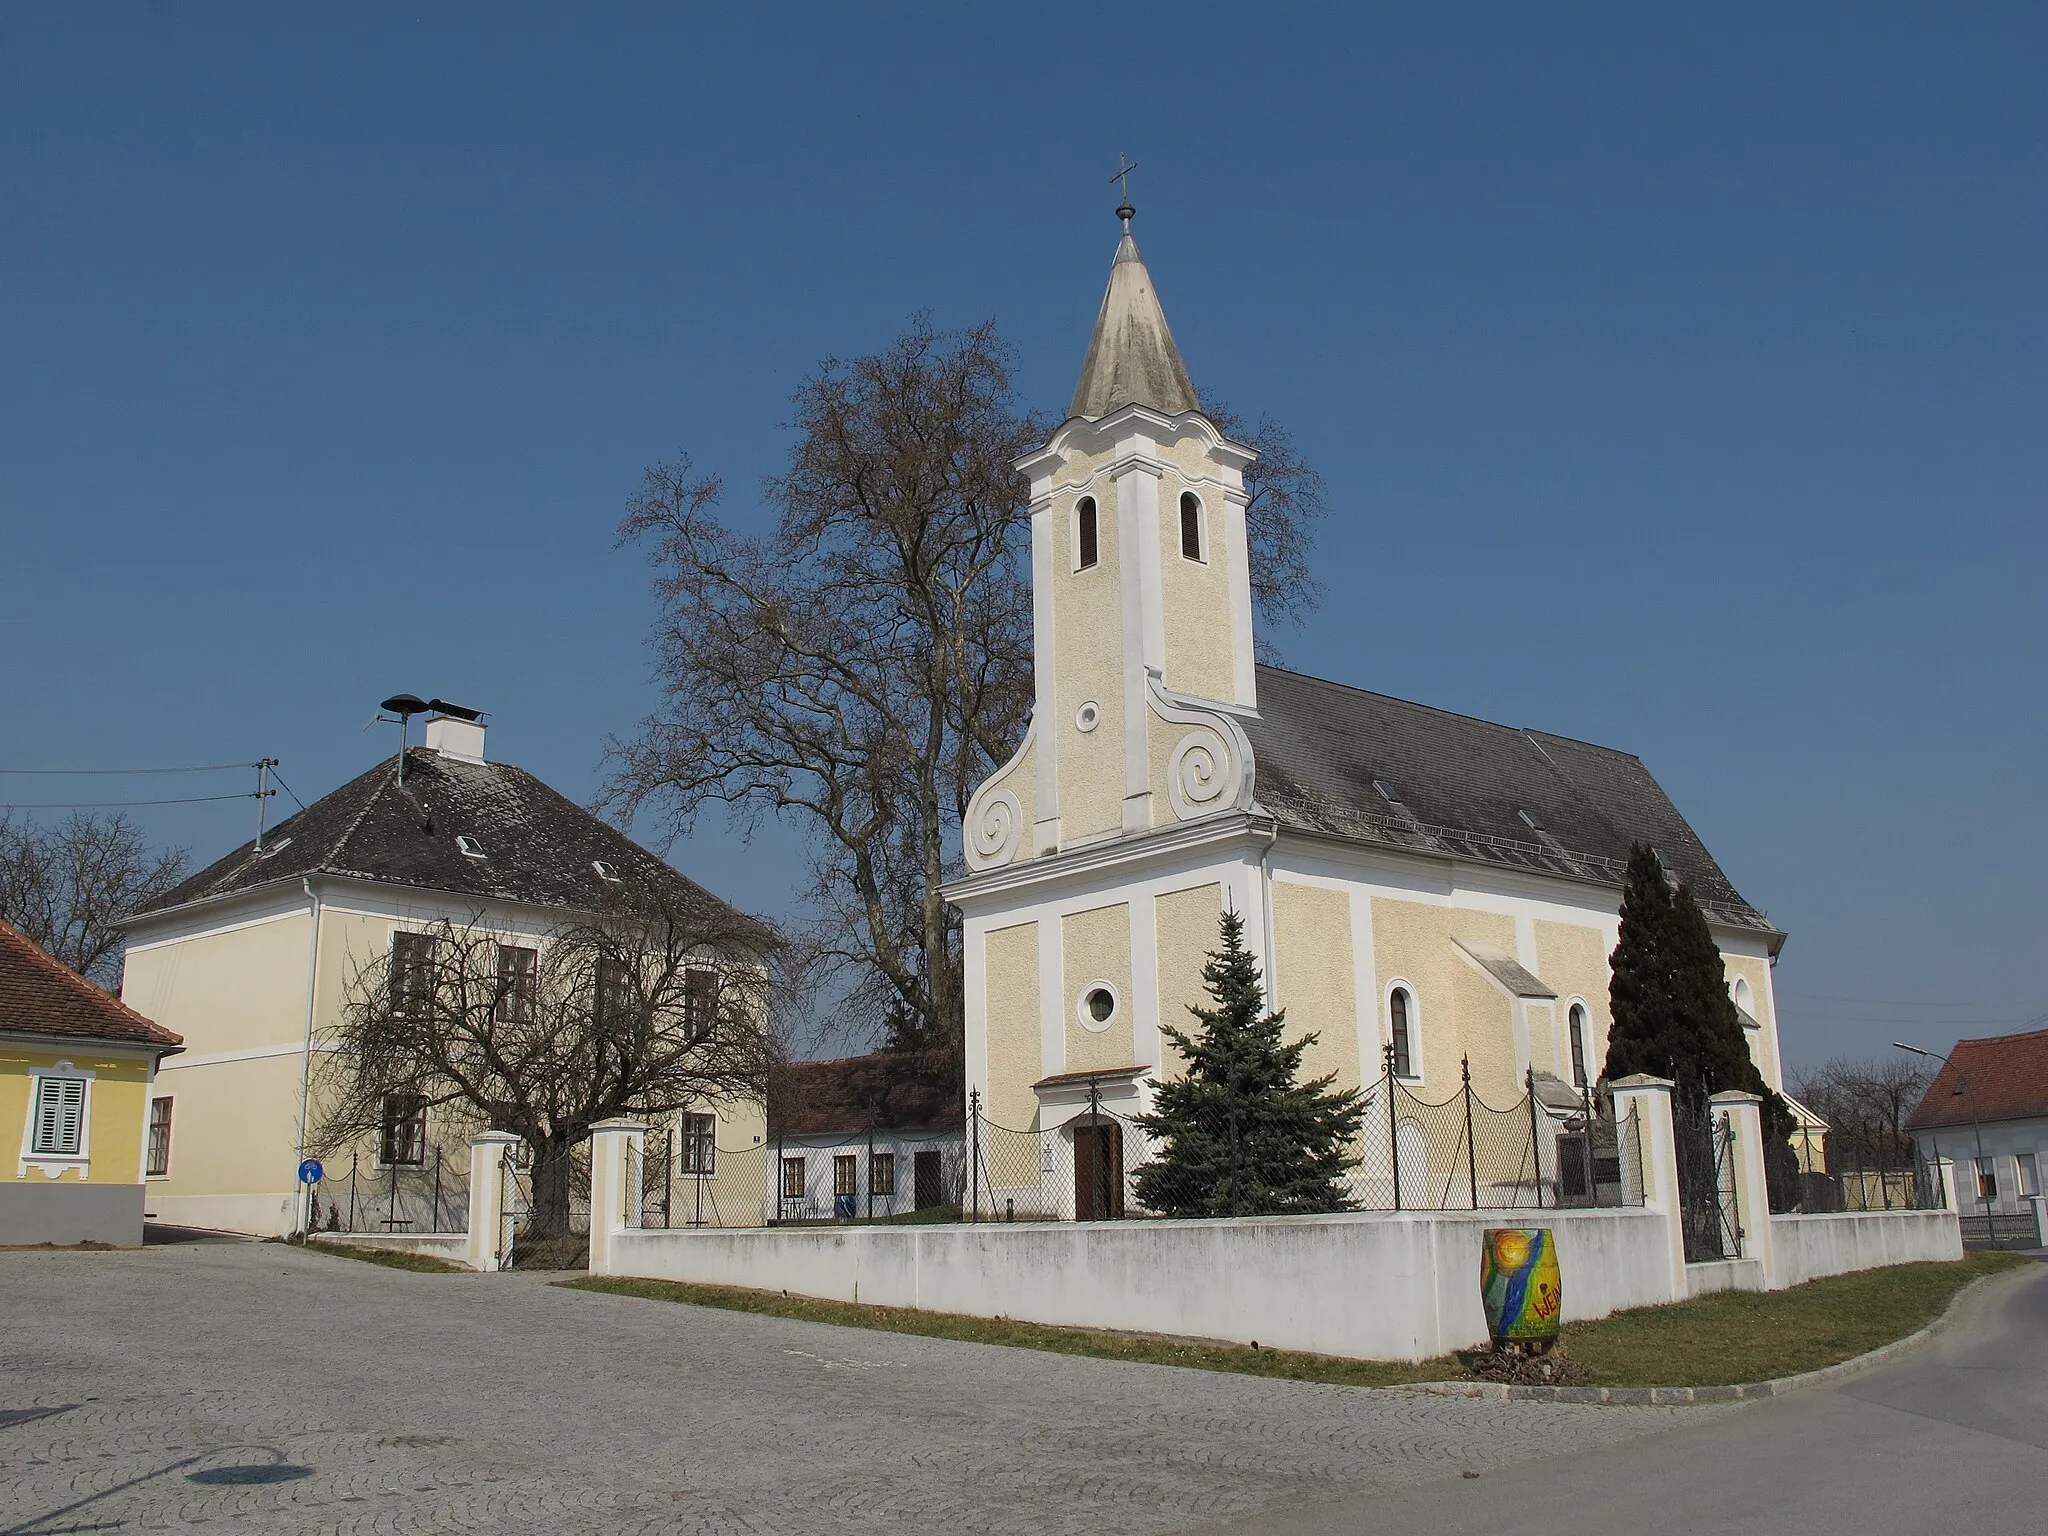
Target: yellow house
x,y
1421,889
75,1072
253,959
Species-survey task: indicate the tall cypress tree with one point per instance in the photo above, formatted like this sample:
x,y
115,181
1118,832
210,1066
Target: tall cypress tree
x,y
1238,1135
1673,1016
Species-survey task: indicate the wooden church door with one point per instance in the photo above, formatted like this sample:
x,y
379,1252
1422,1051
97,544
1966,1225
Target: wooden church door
x,y
1098,1171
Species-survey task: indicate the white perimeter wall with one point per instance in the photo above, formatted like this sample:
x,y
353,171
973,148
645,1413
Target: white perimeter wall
x,y
1807,1247
1380,1286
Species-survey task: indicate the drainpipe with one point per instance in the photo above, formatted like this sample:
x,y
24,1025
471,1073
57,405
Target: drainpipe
x,y
306,1059
1266,901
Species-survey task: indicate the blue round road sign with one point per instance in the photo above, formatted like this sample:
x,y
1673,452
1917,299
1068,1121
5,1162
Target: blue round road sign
x,y
310,1171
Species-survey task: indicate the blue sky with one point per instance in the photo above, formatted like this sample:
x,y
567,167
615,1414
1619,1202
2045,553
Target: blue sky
x,y
1679,380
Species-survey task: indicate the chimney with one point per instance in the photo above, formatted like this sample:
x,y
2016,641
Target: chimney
x,y
456,732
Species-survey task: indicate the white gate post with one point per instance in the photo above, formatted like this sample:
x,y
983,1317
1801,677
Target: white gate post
x,y
1649,1100
487,1199
616,1147
1752,1189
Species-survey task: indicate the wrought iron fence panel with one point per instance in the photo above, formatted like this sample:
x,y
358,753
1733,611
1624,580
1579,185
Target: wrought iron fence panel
x,y
1709,1220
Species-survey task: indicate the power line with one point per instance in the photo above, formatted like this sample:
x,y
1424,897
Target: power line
x,y
69,773
288,790
108,805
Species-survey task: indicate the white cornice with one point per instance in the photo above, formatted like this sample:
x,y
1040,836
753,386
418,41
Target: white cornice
x,y
1212,833
1079,434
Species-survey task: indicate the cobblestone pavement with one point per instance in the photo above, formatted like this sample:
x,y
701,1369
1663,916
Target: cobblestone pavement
x,y
290,1391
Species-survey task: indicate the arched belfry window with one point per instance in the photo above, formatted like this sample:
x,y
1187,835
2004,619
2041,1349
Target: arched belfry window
x,y
1086,540
1577,1019
1401,1016
1190,526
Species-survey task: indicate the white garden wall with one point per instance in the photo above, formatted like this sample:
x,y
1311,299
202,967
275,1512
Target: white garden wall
x,y
1386,1286
451,1246
1807,1247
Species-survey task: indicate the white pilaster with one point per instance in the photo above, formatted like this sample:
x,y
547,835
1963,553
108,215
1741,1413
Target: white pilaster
x,y
616,1147
1648,1100
1752,1191
1045,833
490,1245
1137,529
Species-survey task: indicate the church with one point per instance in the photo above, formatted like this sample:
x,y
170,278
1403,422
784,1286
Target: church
x,y
1421,889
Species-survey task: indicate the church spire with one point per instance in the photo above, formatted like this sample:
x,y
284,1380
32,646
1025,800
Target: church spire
x,y
1131,357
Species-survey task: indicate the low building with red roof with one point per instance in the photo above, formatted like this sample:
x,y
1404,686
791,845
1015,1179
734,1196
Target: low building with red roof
x,y
77,1066
1987,1109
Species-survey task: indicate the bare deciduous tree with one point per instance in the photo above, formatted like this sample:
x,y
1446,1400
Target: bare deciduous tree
x,y
1865,1104
625,1015
67,886
868,664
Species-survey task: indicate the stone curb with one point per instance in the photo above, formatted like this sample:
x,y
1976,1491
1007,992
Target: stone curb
x,y
1637,1397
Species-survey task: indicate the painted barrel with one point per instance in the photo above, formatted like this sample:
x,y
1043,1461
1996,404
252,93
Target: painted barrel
x,y
1520,1286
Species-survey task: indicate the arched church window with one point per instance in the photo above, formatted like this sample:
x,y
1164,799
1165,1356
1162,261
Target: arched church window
x,y
1401,1009
1086,542
1190,526
1578,1029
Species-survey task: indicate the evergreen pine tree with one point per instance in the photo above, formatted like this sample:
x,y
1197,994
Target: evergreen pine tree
x,y
1237,1135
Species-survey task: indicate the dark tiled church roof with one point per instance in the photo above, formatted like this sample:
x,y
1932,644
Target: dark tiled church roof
x,y
1450,785
40,995
538,847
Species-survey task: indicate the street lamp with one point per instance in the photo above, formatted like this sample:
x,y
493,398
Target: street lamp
x,y
1983,1196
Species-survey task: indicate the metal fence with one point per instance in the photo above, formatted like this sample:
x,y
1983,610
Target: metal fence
x,y
1460,1153
1710,1219
431,1195
1804,1182
874,1175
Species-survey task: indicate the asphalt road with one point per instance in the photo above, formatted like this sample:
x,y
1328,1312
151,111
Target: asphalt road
x,y
1954,1438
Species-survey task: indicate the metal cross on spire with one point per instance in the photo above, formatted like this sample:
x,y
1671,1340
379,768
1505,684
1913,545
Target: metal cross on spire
x,y
1123,177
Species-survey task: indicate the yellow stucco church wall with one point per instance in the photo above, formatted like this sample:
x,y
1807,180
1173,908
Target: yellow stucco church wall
x,y
118,1104
1317,983
1088,650
1010,968
1195,596
1096,946
1572,958
1459,1010
1186,923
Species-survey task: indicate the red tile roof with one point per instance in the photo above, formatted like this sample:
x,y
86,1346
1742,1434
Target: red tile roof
x,y
40,995
2002,1078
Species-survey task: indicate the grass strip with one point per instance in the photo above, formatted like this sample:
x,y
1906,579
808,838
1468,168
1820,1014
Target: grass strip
x,y
1146,1349
419,1263
1736,1336
1717,1340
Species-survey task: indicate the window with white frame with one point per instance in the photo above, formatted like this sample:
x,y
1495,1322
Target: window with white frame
x,y
2028,1167
882,1173
1190,526
57,1127
1087,540
1401,1025
700,1143
159,1159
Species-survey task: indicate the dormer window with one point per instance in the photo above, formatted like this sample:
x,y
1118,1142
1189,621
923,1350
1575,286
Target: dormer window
x,y
606,870
1529,821
1086,537
1190,526
469,847
1386,791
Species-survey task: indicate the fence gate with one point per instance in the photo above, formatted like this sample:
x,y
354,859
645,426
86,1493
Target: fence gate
x,y
1705,1147
518,1203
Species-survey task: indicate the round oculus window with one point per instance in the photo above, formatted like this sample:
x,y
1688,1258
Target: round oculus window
x,y
1098,1006
1087,717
